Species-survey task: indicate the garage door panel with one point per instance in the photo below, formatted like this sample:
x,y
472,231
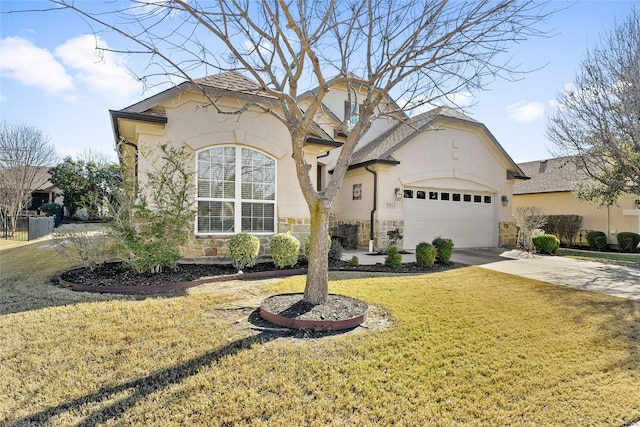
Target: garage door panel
x,y
468,224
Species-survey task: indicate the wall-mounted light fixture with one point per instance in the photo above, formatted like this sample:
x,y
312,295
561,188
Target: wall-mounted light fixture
x,y
505,200
398,193
638,203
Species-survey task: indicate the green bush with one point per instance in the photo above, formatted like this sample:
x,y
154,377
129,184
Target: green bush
x,y
546,244
244,249
335,251
425,254
597,240
444,249
284,250
50,208
393,258
354,261
628,241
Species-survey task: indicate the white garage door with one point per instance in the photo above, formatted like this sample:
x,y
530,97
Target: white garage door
x,y
468,218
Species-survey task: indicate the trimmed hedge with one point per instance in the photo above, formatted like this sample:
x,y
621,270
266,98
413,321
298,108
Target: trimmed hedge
x,y
597,240
393,258
425,254
628,241
444,248
284,249
546,244
244,249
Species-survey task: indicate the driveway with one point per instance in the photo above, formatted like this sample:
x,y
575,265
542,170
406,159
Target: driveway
x,y
591,276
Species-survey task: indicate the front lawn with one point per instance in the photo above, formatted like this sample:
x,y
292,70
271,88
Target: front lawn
x,y
463,347
600,256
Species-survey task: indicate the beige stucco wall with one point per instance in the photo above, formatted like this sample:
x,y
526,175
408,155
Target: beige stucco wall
x,y
457,157
610,220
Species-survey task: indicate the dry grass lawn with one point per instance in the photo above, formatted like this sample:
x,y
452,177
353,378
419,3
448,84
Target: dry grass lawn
x,y
464,347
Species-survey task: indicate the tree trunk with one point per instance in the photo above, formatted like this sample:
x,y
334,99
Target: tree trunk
x,y
316,290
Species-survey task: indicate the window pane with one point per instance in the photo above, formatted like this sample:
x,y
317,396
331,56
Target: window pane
x,y
467,197
408,194
433,195
456,197
477,199
487,199
258,176
215,217
217,167
420,195
444,196
257,217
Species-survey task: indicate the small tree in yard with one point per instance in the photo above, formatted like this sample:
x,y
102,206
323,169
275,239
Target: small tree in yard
x,y
24,153
421,51
529,219
597,121
149,225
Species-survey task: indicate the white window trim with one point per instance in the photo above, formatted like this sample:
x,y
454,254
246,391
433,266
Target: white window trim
x,y
238,200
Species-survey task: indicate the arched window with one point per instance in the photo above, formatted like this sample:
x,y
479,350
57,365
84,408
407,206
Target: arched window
x,y
236,191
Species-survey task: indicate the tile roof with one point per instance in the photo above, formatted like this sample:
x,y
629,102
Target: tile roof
x,y
384,145
549,176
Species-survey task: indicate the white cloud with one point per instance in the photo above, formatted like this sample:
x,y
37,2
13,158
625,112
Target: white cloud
x,y
523,111
100,70
33,66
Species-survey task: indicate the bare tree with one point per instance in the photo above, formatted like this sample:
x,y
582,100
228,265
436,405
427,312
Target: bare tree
x,y
530,220
421,51
25,154
598,120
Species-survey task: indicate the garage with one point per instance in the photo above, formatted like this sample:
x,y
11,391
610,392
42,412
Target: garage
x,y
468,218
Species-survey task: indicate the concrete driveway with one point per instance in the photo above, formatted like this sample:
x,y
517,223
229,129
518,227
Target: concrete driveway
x,y
591,276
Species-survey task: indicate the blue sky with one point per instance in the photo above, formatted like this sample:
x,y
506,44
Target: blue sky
x,y
51,78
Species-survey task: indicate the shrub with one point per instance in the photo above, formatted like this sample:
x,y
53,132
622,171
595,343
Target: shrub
x,y
444,249
628,241
425,254
565,227
597,240
50,208
284,250
394,237
87,244
546,244
393,258
335,251
244,249
354,261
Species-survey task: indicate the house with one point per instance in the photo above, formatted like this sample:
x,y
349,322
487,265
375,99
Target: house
x,y
437,174
550,188
42,191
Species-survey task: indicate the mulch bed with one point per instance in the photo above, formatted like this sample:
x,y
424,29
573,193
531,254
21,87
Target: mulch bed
x,y
116,275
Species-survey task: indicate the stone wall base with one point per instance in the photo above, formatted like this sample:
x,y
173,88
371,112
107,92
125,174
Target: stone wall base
x,y
507,235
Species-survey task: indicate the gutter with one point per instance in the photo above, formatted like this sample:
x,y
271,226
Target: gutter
x,y
375,205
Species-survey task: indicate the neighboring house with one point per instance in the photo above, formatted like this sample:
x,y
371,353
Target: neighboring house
x,y
42,191
437,174
550,188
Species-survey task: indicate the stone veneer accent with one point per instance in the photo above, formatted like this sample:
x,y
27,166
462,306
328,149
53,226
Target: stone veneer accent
x,y
380,239
507,235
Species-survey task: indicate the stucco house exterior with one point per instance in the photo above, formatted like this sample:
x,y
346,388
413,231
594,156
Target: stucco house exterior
x,y
550,188
437,174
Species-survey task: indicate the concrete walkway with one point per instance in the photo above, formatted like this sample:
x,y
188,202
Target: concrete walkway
x,y
590,276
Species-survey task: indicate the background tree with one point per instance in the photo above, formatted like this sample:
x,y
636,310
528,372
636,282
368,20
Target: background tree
x,y
598,120
24,153
86,181
421,51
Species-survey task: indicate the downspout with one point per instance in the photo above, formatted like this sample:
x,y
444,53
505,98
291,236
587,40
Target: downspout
x,y
375,205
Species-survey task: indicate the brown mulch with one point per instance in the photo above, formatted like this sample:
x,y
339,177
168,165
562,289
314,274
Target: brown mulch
x,y
115,274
